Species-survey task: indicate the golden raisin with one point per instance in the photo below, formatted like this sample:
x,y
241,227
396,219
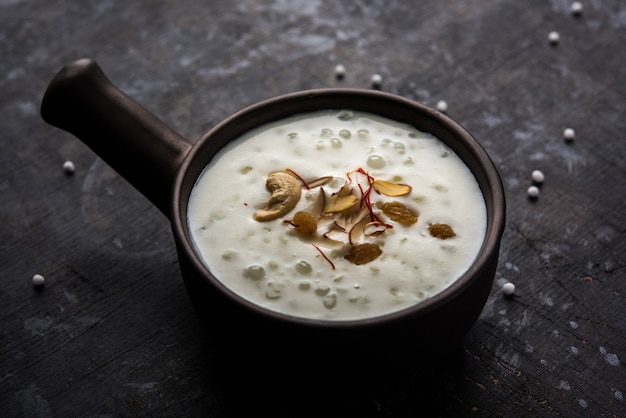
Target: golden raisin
x,y
398,212
305,223
442,231
363,253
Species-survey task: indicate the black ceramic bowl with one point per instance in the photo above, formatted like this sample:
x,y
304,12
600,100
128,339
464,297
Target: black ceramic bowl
x,y
164,167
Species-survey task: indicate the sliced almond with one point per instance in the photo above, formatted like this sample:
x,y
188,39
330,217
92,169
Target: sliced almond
x,y
374,229
345,190
317,209
391,189
336,235
319,182
341,204
340,223
357,216
358,229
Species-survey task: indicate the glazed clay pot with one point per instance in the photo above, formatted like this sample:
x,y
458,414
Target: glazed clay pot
x,y
164,167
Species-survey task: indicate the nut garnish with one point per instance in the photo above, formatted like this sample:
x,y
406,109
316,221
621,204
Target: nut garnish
x,y
398,212
391,189
317,209
346,217
286,191
319,182
341,204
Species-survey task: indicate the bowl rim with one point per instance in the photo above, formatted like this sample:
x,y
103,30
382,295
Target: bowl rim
x,y
280,105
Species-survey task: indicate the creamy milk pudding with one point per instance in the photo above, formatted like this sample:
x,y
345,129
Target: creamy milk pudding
x,y
337,215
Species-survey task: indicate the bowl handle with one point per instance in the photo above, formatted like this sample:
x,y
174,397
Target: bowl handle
x,y
141,148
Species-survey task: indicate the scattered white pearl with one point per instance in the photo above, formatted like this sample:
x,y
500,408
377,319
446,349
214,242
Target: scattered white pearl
x,y
554,37
442,106
376,161
569,134
576,8
508,289
38,280
533,191
340,71
538,176
377,80
69,167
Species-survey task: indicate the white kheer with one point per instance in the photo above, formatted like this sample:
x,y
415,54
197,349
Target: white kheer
x,y
364,183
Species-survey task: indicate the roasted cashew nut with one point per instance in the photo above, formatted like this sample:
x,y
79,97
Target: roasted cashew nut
x,y
285,190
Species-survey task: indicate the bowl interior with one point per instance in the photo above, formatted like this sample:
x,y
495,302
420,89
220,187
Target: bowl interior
x,y
390,106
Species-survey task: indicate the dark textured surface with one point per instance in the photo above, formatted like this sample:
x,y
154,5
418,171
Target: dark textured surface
x,y
112,332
